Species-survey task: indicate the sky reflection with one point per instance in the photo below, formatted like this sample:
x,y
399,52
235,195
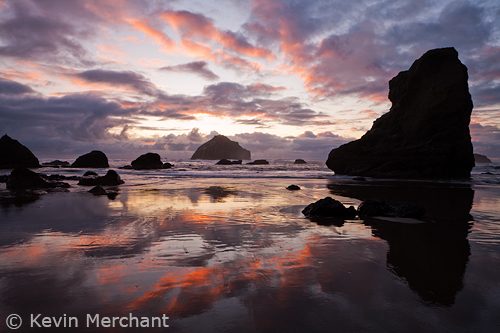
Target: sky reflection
x,y
237,256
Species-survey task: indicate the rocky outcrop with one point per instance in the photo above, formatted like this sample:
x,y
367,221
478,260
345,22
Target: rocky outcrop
x,y
478,158
22,178
426,132
94,159
110,179
147,161
293,187
299,161
220,147
13,153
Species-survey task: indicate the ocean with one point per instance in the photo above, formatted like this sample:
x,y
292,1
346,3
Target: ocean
x,y
227,249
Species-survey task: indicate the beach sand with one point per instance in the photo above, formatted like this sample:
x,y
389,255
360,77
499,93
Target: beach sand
x,y
237,255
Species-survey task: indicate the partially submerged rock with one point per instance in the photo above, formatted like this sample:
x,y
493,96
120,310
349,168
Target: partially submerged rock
x,y
94,159
110,179
259,162
56,163
22,178
220,147
293,187
13,153
228,162
147,161
426,132
299,161
328,207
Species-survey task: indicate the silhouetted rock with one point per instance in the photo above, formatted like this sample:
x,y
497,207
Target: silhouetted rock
x,y
228,162
167,165
328,207
111,178
90,173
94,159
13,154
22,178
478,158
259,162
220,147
426,132
56,163
147,161
299,161
293,187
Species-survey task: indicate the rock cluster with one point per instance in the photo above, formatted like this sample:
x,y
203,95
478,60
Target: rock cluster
x,y
426,132
110,179
22,178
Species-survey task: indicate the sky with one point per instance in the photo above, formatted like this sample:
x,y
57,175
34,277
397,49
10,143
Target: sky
x,y
285,79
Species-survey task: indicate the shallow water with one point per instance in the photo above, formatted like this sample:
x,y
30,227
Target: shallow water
x,y
235,254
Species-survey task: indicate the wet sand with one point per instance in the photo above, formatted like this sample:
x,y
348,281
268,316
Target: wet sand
x,y
226,255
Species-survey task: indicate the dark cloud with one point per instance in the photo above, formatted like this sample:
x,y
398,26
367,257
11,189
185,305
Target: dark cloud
x,y
9,87
196,67
128,79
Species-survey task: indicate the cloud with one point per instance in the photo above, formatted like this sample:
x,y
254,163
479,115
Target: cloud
x,y
9,87
195,67
128,79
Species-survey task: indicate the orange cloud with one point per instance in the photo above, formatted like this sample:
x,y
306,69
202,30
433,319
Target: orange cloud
x,y
167,44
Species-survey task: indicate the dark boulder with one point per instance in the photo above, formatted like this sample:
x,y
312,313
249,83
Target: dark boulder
x,y
259,162
293,187
110,179
22,178
90,173
328,207
13,153
299,161
97,190
147,161
167,165
426,132
56,163
478,158
220,147
94,159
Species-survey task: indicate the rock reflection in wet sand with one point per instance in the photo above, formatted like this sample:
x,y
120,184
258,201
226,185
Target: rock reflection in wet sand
x,y
242,261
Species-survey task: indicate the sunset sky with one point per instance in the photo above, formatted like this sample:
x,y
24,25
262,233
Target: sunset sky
x,y
286,79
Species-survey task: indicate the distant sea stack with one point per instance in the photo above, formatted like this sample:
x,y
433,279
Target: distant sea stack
x,y
13,154
220,147
425,134
94,159
481,158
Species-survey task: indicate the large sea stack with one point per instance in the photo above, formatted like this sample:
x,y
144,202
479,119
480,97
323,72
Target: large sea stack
x,y
425,134
220,147
13,154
